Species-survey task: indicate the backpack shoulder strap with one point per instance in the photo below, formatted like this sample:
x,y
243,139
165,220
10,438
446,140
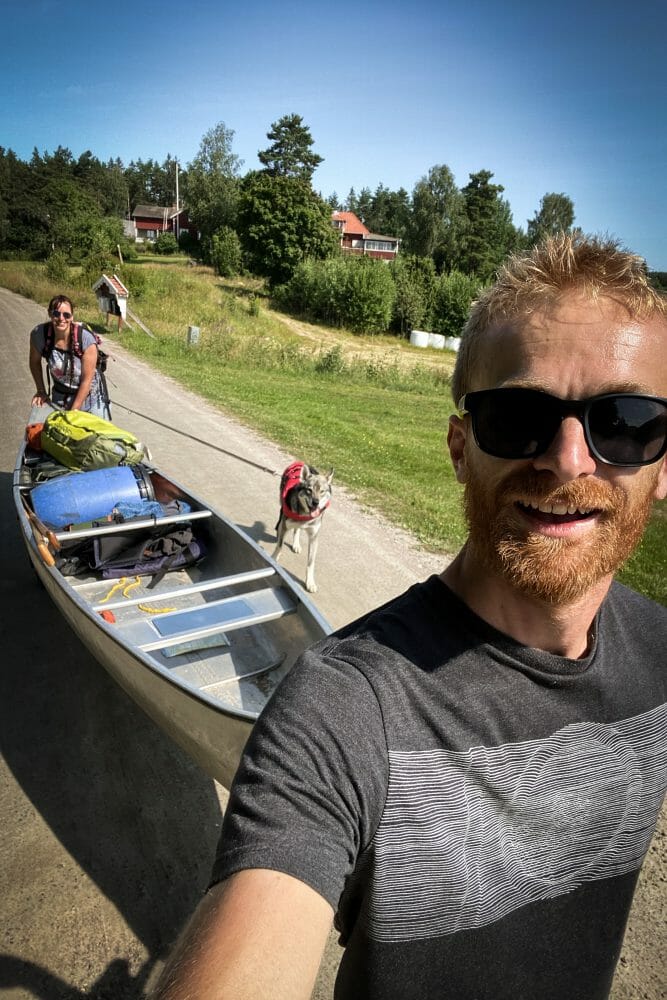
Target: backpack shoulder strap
x,y
48,339
76,339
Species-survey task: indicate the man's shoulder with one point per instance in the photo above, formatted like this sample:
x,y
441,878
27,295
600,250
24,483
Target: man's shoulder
x,y
406,610
627,616
630,602
418,627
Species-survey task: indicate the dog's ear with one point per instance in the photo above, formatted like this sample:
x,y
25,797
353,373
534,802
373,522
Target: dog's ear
x,y
305,472
330,476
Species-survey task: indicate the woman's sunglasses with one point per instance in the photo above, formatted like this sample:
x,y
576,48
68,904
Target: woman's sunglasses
x,y
621,428
60,314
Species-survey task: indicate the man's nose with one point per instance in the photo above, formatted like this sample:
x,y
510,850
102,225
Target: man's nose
x,y
568,456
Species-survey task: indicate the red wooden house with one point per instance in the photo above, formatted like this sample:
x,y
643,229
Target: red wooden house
x,y
356,238
149,221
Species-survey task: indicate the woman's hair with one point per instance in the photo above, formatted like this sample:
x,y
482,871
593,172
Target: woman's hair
x,y
528,282
58,300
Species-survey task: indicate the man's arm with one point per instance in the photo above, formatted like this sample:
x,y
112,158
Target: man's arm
x,y
259,935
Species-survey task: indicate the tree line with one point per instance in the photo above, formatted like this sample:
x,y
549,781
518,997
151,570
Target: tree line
x,y
272,222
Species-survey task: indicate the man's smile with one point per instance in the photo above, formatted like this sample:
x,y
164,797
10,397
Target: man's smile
x,y
556,513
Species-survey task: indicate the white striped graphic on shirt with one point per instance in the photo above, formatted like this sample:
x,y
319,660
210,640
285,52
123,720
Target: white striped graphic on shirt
x,y
467,838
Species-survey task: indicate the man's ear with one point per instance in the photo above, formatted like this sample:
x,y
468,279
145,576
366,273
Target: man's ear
x,y
456,442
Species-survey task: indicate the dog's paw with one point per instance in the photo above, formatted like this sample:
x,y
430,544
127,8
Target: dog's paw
x,y
311,586
296,543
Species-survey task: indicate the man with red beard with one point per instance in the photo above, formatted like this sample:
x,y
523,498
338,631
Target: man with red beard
x,y
469,777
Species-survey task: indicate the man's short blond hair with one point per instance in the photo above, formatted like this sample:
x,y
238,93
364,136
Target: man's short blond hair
x,y
527,282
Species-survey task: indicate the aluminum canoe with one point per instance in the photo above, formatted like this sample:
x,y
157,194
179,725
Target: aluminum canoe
x,y
202,650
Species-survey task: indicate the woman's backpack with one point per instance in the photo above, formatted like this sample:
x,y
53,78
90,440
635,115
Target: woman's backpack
x,y
77,351
77,348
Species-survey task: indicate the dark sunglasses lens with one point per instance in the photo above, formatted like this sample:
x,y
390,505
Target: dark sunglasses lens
x,y
61,315
514,423
628,430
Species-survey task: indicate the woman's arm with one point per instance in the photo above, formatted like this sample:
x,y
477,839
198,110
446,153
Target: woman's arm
x,y
37,372
88,366
259,935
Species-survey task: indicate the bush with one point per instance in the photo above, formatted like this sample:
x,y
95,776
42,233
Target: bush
x,y
454,293
57,267
166,244
354,292
331,362
225,252
369,296
128,249
415,281
189,244
93,266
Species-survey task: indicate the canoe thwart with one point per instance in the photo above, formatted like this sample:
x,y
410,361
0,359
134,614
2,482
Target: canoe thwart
x,y
229,614
200,587
136,524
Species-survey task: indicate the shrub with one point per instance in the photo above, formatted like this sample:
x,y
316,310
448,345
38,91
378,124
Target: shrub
x,y
189,244
165,244
225,252
369,296
57,268
415,281
454,293
354,292
93,266
128,249
331,362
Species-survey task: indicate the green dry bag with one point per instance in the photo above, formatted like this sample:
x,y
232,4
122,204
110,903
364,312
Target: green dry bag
x,y
82,442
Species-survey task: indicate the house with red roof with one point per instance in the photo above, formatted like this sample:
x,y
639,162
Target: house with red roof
x,y
356,238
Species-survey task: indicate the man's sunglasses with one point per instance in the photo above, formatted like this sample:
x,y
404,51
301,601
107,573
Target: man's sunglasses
x,y
621,428
58,314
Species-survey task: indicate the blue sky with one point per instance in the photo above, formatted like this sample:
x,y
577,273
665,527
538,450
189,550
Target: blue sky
x,y
566,97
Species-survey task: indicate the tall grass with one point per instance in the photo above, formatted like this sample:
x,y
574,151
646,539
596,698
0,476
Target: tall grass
x,y
380,420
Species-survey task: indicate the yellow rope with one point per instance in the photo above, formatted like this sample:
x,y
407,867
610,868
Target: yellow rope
x,y
126,587
117,586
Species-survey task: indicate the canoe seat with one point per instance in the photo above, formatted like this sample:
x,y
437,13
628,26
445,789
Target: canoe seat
x,y
226,615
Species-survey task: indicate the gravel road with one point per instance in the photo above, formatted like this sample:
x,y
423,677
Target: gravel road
x,y
109,829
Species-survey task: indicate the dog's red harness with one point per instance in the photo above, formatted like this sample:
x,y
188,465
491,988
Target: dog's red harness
x,y
291,477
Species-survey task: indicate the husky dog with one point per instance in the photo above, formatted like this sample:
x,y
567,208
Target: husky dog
x,y
304,496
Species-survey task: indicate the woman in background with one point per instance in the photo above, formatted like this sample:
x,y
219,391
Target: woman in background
x,y
71,361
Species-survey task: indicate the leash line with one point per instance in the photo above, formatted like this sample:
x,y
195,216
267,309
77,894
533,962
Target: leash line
x,y
175,430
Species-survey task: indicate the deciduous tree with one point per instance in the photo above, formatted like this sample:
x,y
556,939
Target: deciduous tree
x,y
212,184
282,221
438,217
555,215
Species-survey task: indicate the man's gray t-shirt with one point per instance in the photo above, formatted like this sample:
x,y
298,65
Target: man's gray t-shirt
x,y
475,811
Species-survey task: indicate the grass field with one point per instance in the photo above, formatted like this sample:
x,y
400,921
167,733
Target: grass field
x,y
374,408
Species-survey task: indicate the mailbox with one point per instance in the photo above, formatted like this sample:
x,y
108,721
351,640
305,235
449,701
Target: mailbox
x,y
112,296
